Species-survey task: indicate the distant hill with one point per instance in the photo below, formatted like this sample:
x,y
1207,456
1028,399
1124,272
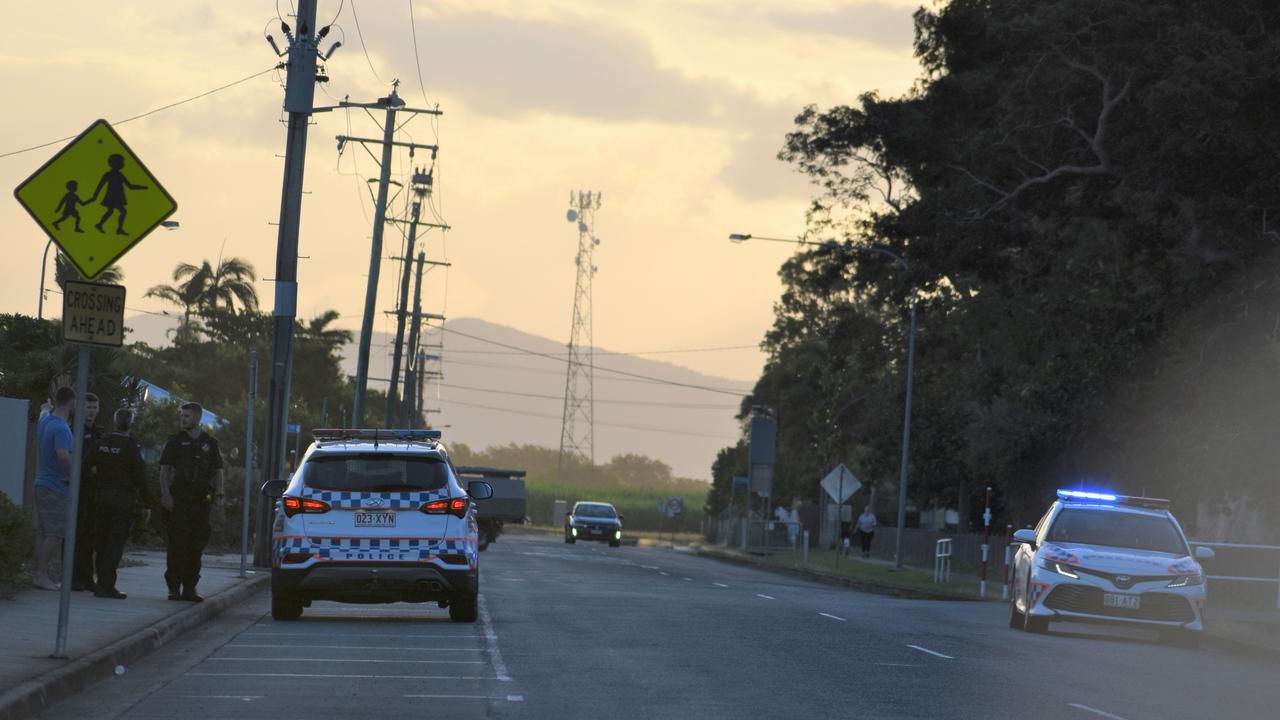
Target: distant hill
x,y
493,395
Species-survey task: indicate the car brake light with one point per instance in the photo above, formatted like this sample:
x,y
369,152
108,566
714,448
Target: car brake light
x,y
455,506
293,506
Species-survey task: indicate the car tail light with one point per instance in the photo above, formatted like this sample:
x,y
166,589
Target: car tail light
x,y
293,506
454,506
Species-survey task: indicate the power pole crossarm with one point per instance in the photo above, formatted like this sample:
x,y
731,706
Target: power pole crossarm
x,y
371,141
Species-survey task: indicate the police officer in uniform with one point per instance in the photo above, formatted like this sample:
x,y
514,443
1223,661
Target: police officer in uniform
x,y
86,545
191,488
121,480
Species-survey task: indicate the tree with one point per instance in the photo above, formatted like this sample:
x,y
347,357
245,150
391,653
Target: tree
x,y
231,280
1067,179
190,284
63,271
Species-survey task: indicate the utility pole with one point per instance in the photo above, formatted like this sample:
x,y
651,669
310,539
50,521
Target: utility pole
x,y
392,104
299,94
421,183
422,385
577,428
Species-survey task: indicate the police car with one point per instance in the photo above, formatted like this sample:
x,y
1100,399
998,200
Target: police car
x,y
375,516
1105,558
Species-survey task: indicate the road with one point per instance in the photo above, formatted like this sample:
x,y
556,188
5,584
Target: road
x,y
589,631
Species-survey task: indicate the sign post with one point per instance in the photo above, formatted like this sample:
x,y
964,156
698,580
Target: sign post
x,y
92,314
124,202
248,464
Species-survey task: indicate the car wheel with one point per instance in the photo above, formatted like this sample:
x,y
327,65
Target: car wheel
x,y
615,543
464,610
1015,617
482,543
285,607
570,540
1030,623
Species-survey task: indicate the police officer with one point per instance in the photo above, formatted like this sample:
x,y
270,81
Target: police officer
x,y
121,481
191,489
86,546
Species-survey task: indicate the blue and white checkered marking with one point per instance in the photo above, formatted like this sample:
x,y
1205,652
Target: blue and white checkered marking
x,y
390,501
419,549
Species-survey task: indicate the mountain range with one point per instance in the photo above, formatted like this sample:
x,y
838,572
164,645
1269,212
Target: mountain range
x,y
500,386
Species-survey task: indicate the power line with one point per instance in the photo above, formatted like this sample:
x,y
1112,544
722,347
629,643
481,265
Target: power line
x,y
735,393
229,85
621,352
360,34
513,393
417,58
642,428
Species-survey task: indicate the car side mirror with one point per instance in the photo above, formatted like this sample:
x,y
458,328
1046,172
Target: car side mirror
x,y
568,514
1204,553
274,489
479,490
1024,536
621,518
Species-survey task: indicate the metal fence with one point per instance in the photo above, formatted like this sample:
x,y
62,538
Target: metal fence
x,y
1243,575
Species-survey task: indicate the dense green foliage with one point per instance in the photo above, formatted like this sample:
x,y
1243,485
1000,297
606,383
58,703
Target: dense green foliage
x,y
632,483
1068,180
16,550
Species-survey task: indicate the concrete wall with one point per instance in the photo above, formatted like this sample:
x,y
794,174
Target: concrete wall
x,y
13,448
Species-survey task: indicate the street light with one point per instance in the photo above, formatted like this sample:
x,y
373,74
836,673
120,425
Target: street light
x,y
911,363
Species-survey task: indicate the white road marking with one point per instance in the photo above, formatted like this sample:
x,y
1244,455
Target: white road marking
x,y
833,617
491,637
345,660
687,579
246,698
649,567
719,584
665,574
360,635
897,664
344,677
1095,711
766,597
931,652
361,647
508,698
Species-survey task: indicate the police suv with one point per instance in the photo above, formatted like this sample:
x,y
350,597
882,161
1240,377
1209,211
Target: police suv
x,y
375,516
1105,558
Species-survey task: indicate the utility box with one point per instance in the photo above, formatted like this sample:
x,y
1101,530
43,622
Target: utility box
x,y
558,510
13,448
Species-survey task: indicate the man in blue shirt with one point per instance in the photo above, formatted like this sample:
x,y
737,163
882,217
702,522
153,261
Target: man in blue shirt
x,y
53,477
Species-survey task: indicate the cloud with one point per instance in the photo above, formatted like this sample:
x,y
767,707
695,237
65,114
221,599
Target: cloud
x,y
514,66
876,23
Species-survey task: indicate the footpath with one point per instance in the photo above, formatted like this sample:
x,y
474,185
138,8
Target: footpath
x,y
105,634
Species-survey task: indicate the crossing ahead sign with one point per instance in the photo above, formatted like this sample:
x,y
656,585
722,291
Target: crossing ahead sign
x,y
93,314
95,199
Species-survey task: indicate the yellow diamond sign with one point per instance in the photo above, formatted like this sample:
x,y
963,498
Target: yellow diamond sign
x,y
95,199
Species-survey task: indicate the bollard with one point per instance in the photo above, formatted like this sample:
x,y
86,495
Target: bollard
x,y
806,549
1008,558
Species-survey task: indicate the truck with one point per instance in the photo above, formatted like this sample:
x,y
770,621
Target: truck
x,y
509,503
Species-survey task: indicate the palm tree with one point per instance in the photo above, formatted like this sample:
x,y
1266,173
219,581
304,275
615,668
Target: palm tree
x,y
318,329
230,281
188,289
63,271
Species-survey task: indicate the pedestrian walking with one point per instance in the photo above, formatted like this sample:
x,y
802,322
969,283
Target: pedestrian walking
x,y
53,483
191,489
86,545
120,476
866,526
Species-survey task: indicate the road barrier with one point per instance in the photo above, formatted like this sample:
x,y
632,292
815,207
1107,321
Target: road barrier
x,y
1238,567
942,560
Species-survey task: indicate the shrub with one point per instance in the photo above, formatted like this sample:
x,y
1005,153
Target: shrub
x,y
18,545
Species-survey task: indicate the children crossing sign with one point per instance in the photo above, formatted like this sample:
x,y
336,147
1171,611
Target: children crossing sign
x,y
95,199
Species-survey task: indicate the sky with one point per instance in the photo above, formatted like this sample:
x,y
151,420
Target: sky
x,y
674,111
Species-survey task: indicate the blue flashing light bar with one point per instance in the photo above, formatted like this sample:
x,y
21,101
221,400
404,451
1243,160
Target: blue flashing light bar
x,y
376,434
1156,503
1082,495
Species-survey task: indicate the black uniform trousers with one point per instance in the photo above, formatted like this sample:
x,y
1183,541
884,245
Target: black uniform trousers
x,y
112,525
86,542
189,532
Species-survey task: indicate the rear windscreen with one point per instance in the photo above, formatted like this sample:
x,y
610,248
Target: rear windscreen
x,y
376,473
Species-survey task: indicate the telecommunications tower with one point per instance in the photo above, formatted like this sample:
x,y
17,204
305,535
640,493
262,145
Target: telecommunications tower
x,y
577,428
